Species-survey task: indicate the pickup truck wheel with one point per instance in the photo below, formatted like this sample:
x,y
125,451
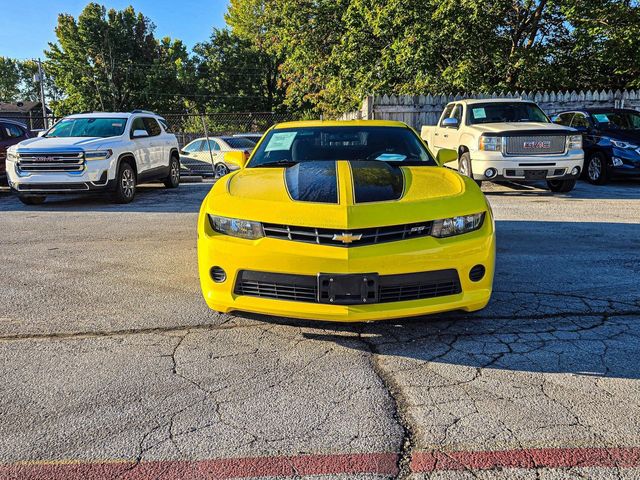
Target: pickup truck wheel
x,y
596,169
125,184
561,186
32,199
221,170
173,180
464,167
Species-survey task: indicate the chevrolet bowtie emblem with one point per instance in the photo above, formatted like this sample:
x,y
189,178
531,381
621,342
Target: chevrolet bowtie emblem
x,y
347,237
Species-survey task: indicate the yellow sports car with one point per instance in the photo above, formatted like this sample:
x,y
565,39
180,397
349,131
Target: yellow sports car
x,y
345,221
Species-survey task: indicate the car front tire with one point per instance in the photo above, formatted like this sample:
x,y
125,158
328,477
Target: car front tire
x,y
221,170
561,186
464,167
125,184
596,169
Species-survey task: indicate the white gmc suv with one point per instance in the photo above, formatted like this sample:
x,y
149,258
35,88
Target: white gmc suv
x,y
94,152
507,139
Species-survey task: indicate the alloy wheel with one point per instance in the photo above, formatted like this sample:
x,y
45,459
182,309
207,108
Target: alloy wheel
x,y
595,168
128,183
175,172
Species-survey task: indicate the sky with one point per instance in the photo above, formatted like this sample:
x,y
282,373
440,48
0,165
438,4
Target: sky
x,y
26,28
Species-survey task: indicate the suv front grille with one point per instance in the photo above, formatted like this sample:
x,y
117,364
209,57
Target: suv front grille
x,y
535,145
391,288
51,162
348,238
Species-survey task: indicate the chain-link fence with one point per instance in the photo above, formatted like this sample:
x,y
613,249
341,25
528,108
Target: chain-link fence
x,y
186,126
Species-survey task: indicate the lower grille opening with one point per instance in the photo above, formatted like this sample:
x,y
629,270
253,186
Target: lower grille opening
x,y
392,288
52,187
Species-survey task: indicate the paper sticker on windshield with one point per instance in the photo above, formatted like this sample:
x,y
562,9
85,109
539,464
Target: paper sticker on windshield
x,y
280,141
116,125
479,113
601,117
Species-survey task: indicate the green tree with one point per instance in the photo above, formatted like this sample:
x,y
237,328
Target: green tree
x,y
110,60
9,80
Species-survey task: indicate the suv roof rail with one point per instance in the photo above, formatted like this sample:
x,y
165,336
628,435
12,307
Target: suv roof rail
x,y
143,111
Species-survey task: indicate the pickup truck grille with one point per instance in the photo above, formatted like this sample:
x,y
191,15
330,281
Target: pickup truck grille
x,y
51,162
536,145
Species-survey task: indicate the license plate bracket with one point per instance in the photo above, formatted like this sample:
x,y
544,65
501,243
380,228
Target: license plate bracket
x,y
348,289
535,174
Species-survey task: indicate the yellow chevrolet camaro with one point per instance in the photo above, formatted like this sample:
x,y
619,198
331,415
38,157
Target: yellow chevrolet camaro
x,y
345,221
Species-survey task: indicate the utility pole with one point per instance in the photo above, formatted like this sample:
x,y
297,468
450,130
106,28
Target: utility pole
x,y
45,123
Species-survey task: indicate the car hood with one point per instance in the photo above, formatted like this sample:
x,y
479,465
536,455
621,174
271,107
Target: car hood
x,y
632,136
55,144
520,126
344,195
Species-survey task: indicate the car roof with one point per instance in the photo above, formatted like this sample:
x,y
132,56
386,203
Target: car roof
x,y
340,123
474,101
13,122
112,114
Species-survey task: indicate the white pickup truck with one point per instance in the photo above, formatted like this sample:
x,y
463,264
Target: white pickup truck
x,y
507,139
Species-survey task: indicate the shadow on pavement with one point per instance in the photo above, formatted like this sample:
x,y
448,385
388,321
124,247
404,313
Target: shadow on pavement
x,y
566,300
616,190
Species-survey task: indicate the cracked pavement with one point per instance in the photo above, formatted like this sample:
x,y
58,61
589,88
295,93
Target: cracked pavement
x,y
111,361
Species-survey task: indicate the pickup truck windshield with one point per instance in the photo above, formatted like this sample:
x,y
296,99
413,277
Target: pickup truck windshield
x,y
618,120
88,127
505,112
394,145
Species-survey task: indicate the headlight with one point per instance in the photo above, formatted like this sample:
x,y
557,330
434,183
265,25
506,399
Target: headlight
x,y
574,142
619,144
490,144
98,155
12,156
236,228
449,227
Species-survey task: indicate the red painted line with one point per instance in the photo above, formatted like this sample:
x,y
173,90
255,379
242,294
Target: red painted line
x,y
375,463
432,461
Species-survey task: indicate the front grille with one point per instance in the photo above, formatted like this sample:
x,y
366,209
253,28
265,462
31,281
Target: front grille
x,y
348,238
535,145
391,288
51,162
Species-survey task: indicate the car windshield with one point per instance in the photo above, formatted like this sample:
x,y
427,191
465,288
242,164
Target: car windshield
x,y
239,142
618,120
505,112
88,127
394,145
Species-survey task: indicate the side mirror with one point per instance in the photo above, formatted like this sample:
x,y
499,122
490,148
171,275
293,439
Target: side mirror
x,y
236,157
450,123
446,155
139,134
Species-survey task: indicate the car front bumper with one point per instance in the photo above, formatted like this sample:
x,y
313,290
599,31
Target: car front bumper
x,y
421,255
556,167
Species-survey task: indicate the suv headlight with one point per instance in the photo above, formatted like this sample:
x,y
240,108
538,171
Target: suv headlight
x,y
490,143
574,142
449,227
236,228
625,145
98,154
12,156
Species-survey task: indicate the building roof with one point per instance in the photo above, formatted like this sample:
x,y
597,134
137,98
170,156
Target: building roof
x,y
19,107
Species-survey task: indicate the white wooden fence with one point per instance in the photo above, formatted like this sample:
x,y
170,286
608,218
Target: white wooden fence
x,y
418,110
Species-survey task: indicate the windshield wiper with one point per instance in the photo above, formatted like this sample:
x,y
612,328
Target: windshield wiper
x,y
277,163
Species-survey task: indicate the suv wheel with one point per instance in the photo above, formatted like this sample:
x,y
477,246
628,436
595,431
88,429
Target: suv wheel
x,y
596,169
125,184
173,180
561,186
32,199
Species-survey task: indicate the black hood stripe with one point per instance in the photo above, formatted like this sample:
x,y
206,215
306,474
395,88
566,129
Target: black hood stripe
x,y
376,181
313,182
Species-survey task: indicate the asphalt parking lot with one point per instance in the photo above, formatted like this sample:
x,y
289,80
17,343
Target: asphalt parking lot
x,y
113,367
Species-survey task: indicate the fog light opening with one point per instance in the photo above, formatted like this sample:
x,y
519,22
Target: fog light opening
x,y
617,162
490,172
576,171
477,273
218,275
